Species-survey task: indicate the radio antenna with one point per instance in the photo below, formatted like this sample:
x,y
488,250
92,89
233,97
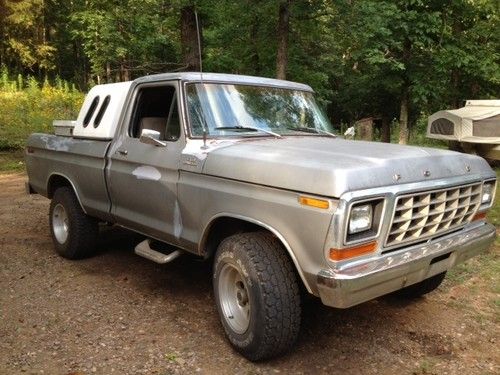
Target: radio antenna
x,y
199,42
203,122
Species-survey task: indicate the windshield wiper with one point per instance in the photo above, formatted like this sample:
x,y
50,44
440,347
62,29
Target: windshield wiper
x,y
311,130
238,127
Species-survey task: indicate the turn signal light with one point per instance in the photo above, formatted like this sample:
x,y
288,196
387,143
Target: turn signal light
x,y
314,202
479,216
351,252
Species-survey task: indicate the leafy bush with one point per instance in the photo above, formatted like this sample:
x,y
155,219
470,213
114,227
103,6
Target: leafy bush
x,y
28,107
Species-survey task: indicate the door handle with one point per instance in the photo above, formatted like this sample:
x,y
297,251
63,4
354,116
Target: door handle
x,y
123,152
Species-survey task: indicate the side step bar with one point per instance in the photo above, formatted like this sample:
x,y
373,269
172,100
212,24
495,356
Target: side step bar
x,y
144,250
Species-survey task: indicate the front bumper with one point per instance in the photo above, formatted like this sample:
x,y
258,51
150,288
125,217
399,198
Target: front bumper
x,y
358,283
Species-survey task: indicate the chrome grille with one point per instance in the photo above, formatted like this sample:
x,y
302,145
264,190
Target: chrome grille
x,y
426,214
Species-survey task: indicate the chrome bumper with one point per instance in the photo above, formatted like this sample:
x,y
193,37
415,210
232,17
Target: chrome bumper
x,y
358,283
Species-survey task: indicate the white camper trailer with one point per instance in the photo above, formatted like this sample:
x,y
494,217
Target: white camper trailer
x,y
474,128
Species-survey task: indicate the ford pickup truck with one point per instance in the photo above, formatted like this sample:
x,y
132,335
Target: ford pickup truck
x,y
246,173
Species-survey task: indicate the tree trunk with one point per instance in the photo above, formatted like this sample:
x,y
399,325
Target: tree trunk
x,y
108,72
403,114
255,47
403,117
455,82
126,72
189,38
283,31
385,130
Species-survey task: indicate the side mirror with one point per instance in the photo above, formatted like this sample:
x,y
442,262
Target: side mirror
x,y
151,137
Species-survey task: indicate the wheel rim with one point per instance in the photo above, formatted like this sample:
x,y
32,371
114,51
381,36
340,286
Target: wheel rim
x,y
60,224
234,298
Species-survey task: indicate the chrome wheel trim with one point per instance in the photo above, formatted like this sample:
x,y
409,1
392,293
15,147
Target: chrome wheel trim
x,y
60,223
234,299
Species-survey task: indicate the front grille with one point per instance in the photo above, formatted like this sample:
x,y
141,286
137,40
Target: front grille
x,y
430,213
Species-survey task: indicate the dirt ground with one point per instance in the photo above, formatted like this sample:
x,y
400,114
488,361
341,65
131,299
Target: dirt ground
x,y
118,313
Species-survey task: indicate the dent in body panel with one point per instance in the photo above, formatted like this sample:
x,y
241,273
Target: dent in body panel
x,y
146,172
177,220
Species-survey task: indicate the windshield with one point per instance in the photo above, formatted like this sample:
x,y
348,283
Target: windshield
x,y
229,110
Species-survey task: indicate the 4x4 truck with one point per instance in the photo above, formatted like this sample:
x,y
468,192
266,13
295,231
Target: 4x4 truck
x,y
246,173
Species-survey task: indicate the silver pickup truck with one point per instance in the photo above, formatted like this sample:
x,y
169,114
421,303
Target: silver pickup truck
x,y
246,173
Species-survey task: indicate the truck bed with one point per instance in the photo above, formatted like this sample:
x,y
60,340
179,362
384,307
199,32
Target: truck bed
x,y
80,161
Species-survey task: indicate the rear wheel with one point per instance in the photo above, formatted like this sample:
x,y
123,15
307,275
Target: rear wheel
x,y
421,288
257,295
74,234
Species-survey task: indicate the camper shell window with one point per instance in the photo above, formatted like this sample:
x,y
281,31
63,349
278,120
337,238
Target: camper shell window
x,y
91,111
102,110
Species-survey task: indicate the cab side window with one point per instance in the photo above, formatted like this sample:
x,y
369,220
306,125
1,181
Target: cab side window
x,y
156,109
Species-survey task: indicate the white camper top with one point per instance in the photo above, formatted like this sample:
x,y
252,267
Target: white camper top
x,y
101,111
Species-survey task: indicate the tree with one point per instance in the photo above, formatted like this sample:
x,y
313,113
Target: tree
x,y
123,39
190,35
282,35
24,31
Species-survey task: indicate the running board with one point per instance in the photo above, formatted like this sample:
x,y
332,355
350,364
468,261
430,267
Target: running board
x,y
144,250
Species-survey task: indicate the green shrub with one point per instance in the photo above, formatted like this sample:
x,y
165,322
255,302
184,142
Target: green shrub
x,y
26,107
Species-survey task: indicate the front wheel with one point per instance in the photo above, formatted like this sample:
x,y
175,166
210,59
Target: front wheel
x,y
74,234
257,295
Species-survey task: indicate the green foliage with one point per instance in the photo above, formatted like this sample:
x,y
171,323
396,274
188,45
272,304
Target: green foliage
x,y
33,108
25,36
124,37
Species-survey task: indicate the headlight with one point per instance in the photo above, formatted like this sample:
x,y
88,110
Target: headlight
x,y
363,222
361,218
487,193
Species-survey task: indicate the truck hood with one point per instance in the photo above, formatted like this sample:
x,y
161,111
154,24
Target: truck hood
x,y
332,166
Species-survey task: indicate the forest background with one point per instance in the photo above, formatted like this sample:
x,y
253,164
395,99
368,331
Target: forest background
x,y
397,61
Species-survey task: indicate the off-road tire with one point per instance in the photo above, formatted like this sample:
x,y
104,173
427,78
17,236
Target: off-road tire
x,y
82,229
273,293
421,288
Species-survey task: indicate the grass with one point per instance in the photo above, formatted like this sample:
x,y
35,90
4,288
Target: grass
x,y
425,366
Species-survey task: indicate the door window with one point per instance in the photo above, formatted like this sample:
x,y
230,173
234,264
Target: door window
x,y
156,109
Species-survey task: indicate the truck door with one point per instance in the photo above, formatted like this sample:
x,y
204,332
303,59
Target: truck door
x,y
142,178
